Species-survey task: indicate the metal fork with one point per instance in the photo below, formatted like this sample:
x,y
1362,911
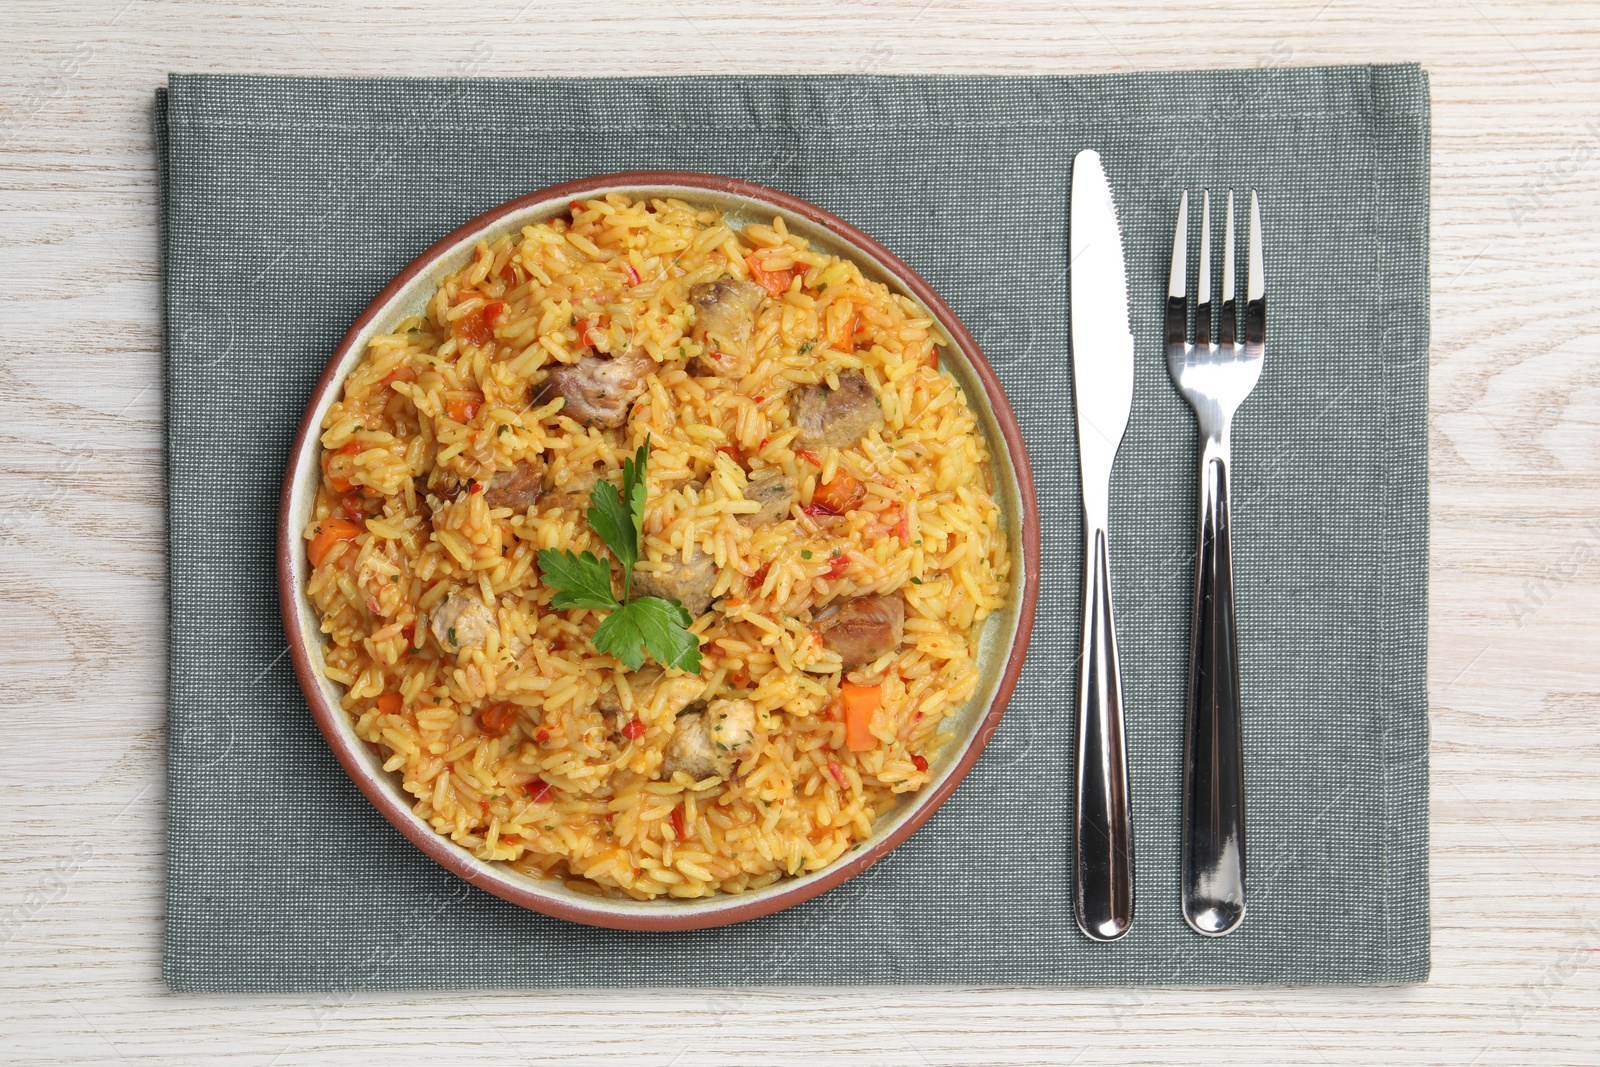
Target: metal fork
x,y
1214,376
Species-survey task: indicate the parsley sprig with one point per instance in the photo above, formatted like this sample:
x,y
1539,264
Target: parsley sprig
x,y
635,625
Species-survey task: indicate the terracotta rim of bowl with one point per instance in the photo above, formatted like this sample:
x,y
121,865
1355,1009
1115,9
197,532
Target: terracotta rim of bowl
x,y
331,718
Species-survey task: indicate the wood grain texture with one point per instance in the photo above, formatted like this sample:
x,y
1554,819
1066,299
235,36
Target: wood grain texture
x,y
1515,439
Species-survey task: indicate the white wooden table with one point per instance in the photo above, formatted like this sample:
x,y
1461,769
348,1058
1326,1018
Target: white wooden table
x,y
1515,643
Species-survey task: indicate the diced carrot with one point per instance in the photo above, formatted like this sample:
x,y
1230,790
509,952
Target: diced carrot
x,y
775,282
861,702
497,719
462,409
330,532
390,703
841,493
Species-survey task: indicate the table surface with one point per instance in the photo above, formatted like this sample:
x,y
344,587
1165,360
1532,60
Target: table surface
x,y
1515,460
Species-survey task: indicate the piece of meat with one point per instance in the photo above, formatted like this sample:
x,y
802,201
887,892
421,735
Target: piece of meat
x,y
599,391
774,491
863,629
517,488
724,318
463,620
711,742
641,682
834,418
689,583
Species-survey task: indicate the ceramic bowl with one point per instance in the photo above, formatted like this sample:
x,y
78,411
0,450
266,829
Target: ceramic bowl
x,y
1004,639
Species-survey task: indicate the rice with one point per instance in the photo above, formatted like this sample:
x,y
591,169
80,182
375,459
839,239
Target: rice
x,y
526,745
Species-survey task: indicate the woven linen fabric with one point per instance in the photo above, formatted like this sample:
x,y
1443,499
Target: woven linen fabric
x,y
291,202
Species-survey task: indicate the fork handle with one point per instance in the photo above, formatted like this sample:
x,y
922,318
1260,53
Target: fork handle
x,y
1103,854
1213,874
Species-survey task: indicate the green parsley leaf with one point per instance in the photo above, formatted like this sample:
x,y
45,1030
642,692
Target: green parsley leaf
x,y
634,627
619,517
579,581
650,624
916,581
805,553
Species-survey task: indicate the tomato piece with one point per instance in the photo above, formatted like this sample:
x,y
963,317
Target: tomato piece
x,y
841,493
634,730
400,374
463,409
861,702
391,703
497,719
810,457
844,335
336,482
678,826
837,568
492,312
328,533
775,282
633,275
760,575
733,452
475,328
538,790
919,763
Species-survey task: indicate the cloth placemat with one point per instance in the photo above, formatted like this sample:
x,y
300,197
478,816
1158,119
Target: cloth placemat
x,y
291,202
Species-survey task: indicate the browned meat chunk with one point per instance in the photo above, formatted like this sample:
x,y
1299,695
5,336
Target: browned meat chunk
x,y
710,742
600,391
463,620
517,488
834,418
689,583
863,629
774,491
724,317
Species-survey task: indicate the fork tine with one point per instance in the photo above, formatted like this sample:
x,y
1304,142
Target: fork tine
x,y
1202,310
1255,311
1177,287
1228,324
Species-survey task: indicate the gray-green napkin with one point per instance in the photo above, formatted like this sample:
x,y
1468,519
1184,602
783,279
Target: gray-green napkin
x,y
290,203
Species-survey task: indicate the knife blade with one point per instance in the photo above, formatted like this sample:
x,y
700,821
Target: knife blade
x,y
1102,387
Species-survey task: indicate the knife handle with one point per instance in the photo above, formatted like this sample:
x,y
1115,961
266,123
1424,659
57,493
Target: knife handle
x,y
1213,865
1103,851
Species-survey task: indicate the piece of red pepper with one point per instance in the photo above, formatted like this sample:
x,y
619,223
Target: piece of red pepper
x,y
634,730
838,774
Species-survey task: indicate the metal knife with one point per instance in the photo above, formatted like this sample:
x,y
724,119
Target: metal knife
x,y
1102,387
